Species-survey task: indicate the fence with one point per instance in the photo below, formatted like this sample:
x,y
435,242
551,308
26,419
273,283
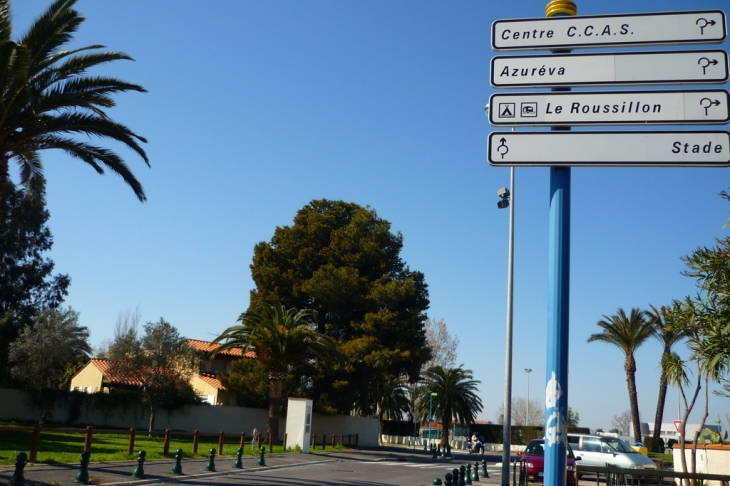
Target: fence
x,y
89,432
616,476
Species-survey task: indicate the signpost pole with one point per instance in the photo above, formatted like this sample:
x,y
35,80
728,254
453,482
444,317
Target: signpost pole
x,y
556,394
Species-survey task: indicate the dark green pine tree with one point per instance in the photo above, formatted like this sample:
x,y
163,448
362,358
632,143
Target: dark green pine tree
x,y
342,260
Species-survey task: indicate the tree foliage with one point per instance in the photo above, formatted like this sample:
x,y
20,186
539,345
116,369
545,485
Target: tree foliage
x,y
627,332
342,260
522,414
47,98
281,339
442,344
26,281
40,354
159,364
456,398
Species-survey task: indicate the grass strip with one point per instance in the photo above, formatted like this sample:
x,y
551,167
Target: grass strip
x,y
66,447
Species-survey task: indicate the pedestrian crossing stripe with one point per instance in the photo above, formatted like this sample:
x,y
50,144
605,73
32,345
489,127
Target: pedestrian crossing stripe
x,y
493,470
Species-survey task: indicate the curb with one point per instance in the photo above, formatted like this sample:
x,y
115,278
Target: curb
x,y
216,473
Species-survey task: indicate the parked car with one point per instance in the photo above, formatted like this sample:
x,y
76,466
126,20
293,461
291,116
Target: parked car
x,y
533,460
603,451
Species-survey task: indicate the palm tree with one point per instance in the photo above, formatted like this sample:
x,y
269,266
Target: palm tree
x,y
668,335
45,96
280,338
457,397
627,333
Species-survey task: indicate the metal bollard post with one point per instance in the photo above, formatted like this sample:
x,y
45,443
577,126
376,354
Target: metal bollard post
x,y
18,478
211,461
83,475
238,464
262,461
139,470
177,467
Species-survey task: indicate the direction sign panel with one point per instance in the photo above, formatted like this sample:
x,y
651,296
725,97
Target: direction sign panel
x,y
665,28
610,149
621,69
610,108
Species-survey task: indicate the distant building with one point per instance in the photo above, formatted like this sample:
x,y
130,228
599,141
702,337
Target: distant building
x,y
669,431
97,375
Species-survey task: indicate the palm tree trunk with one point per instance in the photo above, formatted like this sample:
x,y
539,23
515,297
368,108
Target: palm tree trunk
x,y
659,413
276,379
445,428
630,367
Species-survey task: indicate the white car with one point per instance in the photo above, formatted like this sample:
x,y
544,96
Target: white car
x,y
600,451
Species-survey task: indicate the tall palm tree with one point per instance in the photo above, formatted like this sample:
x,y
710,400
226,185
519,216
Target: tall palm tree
x,y
668,335
457,397
280,338
46,96
627,333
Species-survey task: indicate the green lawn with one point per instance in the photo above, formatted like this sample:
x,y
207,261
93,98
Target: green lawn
x,y
63,447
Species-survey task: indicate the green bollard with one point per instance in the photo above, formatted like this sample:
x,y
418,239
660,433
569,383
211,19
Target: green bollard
x,y
467,478
177,467
139,470
462,475
475,474
437,481
18,479
83,475
238,464
448,478
434,453
455,475
448,450
485,473
211,461
424,445
261,461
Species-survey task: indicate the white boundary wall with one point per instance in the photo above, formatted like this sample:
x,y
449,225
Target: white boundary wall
x,y
15,404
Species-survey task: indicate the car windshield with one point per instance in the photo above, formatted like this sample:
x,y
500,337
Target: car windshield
x,y
617,444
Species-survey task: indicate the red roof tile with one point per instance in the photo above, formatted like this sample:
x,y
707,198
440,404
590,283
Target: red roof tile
x,y
104,365
207,347
210,379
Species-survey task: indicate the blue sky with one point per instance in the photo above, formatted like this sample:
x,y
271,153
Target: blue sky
x,y
256,108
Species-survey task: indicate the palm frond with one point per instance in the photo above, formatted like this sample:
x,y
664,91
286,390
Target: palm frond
x,y
6,29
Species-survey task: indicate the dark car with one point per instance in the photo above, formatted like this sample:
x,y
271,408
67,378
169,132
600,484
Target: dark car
x,y
533,462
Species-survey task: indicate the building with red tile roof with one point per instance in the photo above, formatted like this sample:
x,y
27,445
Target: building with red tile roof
x,y
98,376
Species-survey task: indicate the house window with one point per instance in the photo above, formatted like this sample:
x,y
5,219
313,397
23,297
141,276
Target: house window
x,y
207,399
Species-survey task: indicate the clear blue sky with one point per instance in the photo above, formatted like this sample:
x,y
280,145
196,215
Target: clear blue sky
x,y
255,108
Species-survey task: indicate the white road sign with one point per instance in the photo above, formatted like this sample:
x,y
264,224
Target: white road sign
x,y
610,108
665,28
627,69
610,149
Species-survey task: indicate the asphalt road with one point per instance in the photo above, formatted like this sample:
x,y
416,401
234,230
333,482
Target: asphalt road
x,y
394,467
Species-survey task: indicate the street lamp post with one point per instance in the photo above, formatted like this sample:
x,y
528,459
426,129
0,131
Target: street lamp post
x,y
430,415
527,419
506,195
